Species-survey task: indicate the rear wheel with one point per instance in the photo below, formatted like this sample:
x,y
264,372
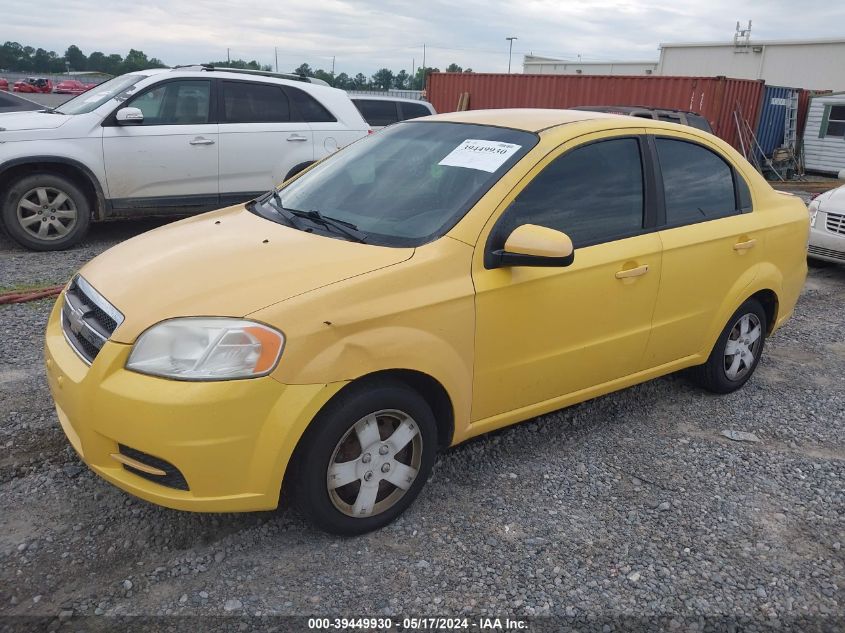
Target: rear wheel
x,y
737,351
45,212
366,458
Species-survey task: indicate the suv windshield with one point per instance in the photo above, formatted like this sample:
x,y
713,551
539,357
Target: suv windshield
x,y
408,184
98,95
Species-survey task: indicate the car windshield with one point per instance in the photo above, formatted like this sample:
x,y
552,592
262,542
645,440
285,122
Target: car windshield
x,y
98,95
407,184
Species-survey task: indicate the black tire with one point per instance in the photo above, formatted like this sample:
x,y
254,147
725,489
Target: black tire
x,y
75,212
322,442
296,169
714,375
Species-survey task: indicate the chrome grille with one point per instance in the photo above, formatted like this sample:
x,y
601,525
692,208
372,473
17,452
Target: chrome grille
x,y
836,223
826,252
88,319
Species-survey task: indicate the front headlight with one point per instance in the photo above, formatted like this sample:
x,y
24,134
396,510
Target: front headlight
x,y
813,208
207,349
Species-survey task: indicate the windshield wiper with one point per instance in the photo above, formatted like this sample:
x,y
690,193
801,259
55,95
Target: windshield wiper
x,y
274,200
347,228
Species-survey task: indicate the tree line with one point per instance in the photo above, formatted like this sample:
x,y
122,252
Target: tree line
x,y
19,58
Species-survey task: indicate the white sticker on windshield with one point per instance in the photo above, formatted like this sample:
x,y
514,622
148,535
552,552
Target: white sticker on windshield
x,y
482,155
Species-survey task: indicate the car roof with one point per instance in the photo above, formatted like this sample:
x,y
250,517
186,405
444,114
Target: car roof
x,y
533,119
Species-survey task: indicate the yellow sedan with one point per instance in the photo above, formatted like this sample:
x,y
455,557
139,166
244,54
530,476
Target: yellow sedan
x,y
446,277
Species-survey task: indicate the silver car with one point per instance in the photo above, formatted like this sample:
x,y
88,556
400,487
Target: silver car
x,y
827,226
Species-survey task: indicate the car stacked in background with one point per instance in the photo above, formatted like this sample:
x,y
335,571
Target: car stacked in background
x,y
163,141
72,87
33,85
381,111
4,84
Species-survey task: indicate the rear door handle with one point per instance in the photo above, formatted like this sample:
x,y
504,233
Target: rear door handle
x,y
201,141
297,137
632,272
744,246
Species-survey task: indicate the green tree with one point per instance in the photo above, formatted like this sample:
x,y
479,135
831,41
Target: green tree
x,y
343,81
304,69
325,76
75,58
238,63
383,79
401,79
421,76
96,61
360,82
454,68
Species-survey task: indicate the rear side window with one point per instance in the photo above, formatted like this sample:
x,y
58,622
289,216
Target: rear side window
x,y
698,184
413,110
593,194
308,107
699,122
245,102
377,112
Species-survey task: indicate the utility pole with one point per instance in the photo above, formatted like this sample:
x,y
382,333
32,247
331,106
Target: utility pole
x,y
228,57
276,49
510,51
413,73
333,65
423,58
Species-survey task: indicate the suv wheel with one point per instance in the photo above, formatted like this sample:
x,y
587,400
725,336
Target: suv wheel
x,y
45,212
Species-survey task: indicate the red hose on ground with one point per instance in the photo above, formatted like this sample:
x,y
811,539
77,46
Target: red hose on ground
x,y
22,296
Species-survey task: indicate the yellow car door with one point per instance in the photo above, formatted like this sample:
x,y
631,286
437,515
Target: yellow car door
x,y
712,241
545,332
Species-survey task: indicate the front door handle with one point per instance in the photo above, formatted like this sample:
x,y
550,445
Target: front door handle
x,y
632,272
201,141
297,137
744,246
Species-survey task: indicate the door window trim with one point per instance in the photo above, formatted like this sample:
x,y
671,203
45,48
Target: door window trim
x,y
111,119
652,195
662,222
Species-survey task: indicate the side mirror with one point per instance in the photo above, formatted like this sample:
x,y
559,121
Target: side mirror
x,y
129,116
532,245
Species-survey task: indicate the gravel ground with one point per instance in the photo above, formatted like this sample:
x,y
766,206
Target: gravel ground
x,y
633,504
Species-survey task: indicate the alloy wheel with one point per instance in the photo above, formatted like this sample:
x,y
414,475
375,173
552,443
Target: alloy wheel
x,y
374,463
743,346
47,213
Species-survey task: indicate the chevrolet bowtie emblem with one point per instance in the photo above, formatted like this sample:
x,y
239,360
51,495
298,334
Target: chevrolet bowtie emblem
x,y
75,321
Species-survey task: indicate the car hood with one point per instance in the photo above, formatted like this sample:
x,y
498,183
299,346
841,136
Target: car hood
x,y
833,200
224,263
15,121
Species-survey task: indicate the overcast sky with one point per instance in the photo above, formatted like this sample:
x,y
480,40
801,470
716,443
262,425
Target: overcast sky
x,y
370,34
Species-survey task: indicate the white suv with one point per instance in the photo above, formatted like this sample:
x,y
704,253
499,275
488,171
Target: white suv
x,y
164,141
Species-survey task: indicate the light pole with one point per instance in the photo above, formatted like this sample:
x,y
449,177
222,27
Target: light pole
x,y
510,51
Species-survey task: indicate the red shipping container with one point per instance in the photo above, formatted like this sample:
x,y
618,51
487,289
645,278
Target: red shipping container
x,y
716,98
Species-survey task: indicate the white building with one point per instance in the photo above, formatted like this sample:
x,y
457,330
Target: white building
x,y
812,64
534,65
824,136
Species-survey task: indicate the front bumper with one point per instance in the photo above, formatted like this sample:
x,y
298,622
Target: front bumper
x,y
231,440
824,244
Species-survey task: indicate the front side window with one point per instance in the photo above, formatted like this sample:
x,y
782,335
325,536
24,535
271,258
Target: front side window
x,y
836,121
408,184
377,112
117,88
175,103
593,193
697,183
245,102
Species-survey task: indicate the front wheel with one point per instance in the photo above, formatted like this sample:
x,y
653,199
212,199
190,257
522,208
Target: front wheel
x,y
737,351
45,212
366,458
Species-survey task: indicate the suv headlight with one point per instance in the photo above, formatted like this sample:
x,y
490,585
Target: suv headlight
x,y
207,349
